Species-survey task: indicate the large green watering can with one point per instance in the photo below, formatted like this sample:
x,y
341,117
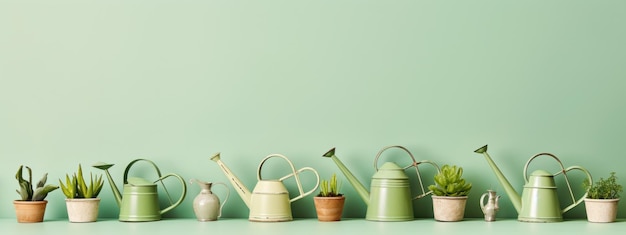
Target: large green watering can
x,y
269,200
140,200
539,201
390,197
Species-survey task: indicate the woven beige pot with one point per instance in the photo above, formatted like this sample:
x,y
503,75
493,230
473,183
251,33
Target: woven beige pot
x,y
449,209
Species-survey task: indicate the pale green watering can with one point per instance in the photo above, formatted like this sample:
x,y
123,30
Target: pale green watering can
x,y
269,200
140,201
539,201
390,197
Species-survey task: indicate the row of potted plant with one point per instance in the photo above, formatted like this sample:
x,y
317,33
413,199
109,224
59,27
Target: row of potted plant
x,y
81,197
449,197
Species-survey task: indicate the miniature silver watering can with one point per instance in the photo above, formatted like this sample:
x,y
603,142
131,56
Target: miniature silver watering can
x,y
539,201
390,197
489,208
269,200
140,201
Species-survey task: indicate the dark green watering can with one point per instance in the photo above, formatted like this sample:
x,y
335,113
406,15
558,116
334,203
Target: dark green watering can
x,y
140,201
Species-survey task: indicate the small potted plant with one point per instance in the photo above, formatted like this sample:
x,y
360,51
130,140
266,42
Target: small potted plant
x,y
449,194
329,202
81,198
602,199
32,205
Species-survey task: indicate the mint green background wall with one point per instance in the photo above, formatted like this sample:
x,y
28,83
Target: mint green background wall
x,y
176,81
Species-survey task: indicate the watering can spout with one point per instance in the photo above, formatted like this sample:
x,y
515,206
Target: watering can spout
x,y
116,193
358,186
241,189
508,188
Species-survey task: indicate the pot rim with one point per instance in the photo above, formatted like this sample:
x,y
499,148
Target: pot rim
x,y
601,200
29,202
332,198
450,197
82,199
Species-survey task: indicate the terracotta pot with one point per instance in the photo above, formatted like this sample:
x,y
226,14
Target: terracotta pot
x,y
329,208
82,210
449,209
30,211
601,210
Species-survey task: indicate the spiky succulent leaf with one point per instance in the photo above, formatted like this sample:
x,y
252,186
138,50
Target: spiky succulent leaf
x,y
84,189
97,186
70,188
329,188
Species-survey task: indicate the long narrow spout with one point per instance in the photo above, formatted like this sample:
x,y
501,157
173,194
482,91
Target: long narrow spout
x,y
358,186
116,192
243,192
510,191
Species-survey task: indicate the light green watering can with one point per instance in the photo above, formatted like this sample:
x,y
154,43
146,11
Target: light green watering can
x,y
390,197
140,201
269,200
539,201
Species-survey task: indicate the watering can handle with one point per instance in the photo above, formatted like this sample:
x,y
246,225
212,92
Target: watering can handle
x,y
413,164
393,146
182,196
300,190
138,160
419,176
293,173
482,201
225,199
564,172
582,198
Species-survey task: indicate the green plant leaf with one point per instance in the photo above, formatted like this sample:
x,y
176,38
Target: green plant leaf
x,y
449,182
41,192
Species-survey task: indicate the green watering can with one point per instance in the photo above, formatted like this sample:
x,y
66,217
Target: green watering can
x,y
539,201
140,201
390,197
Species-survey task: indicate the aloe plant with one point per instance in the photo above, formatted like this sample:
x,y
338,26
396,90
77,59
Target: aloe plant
x,y
329,188
449,182
27,192
76,186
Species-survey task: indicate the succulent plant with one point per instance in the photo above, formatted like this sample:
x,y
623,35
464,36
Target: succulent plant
x,y
449,182
329,188
26,191
76,187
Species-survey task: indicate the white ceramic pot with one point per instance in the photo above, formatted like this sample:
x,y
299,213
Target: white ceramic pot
x,y
82,210
601,210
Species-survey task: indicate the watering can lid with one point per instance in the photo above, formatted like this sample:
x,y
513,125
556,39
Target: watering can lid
x,y
136,181
390,170
540,173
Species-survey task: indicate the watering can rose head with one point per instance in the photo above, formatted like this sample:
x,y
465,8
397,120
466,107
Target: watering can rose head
x,y
449,182
27,192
